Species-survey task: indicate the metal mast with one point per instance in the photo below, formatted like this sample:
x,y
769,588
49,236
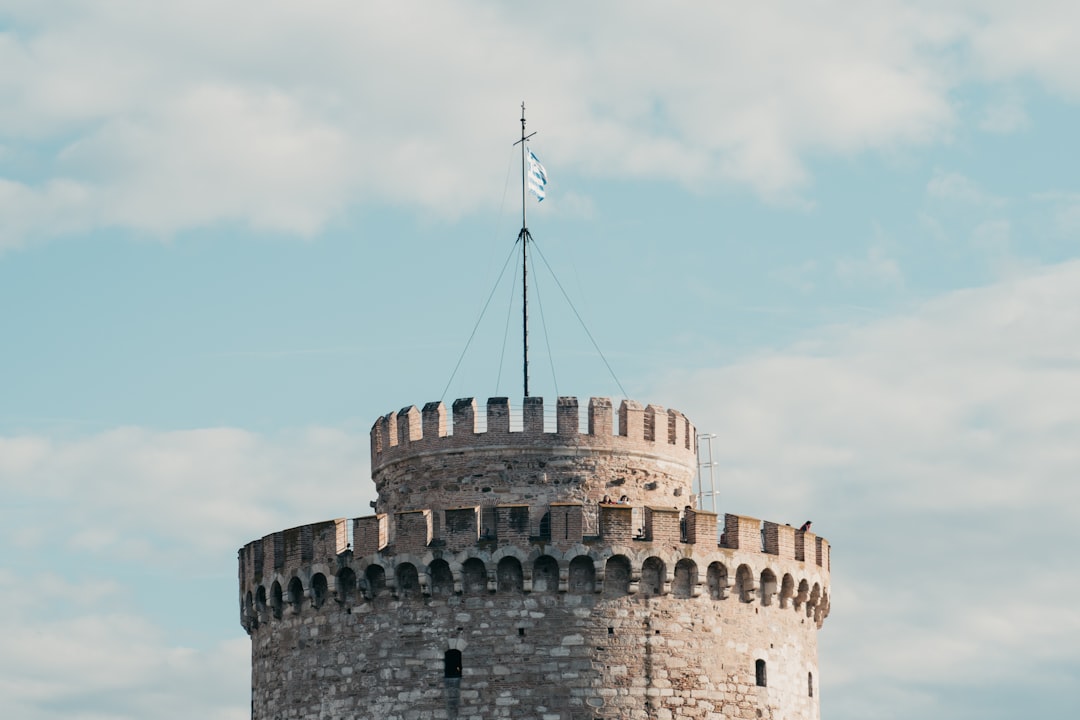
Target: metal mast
x,y
524,237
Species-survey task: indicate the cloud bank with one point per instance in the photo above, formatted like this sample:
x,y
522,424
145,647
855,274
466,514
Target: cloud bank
x,y
279,116
122,562
937,450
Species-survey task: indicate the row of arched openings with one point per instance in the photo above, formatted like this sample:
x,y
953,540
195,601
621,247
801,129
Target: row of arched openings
x,y
509,577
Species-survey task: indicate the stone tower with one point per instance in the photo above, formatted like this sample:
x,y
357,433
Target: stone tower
x,y
494,581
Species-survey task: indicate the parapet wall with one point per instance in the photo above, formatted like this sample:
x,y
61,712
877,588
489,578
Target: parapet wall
x,y
530,629
538,576
768,551
420,460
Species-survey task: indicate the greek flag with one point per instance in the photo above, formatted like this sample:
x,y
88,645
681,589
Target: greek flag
x,y
537,177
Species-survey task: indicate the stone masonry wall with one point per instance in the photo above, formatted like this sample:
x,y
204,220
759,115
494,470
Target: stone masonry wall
x,y
417,462
492,582
612,647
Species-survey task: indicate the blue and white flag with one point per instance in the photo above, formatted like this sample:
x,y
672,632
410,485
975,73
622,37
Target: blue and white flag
x,y
537,177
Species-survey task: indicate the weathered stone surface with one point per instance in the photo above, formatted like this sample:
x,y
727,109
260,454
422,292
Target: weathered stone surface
x,y
491,584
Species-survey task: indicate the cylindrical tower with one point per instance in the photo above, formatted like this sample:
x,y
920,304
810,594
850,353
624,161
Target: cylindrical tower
x,y
494,581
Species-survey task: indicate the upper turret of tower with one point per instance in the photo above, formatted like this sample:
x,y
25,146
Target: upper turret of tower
x,y
423,459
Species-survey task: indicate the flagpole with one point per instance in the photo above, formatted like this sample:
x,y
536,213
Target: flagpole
x,y
523,238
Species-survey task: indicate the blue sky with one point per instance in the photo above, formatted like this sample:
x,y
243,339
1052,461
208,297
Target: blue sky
x,y
844,239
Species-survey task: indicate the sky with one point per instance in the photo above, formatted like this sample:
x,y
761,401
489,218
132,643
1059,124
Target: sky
x,y
842,237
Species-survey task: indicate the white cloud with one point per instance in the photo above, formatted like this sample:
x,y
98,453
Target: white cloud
x,y
279,115
75,649
993,237
938,452
957,187
194,495
131,506
876,268
1004,115
1034,40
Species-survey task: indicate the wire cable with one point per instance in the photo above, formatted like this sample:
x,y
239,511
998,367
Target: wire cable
x,y
547,338
473,333
506,330
582,322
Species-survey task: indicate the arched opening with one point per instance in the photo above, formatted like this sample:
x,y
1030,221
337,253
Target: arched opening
x,y
346,586
822,611
582,575
787,590
474,576
545,574
685,578
717,579
803,595
812,603
296,594
442,579
260,601
319,590
376,580
408,581
652,576
744,584
768,586
617,576
452,665
509,576
545,526
759,673
810,684
276,601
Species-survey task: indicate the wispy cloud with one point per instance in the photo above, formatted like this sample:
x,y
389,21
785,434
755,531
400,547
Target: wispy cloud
x,y
936,450
196,114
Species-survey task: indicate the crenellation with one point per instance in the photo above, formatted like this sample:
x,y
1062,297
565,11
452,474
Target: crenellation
x,y
297,547
656,424
600,417
464,410
741,532
409,430
390,429
700,527
433,420
370,534
567,419
616,524
255,559
498,545
498,416
461,528
662,525
278,541
413,531
512,524
780,540
329,538
532,415
567,521
677,429
822,552
631,420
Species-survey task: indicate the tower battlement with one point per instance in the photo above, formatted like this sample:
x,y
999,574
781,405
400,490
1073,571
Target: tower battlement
x,y
645,429
757,561
520,568
422,458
